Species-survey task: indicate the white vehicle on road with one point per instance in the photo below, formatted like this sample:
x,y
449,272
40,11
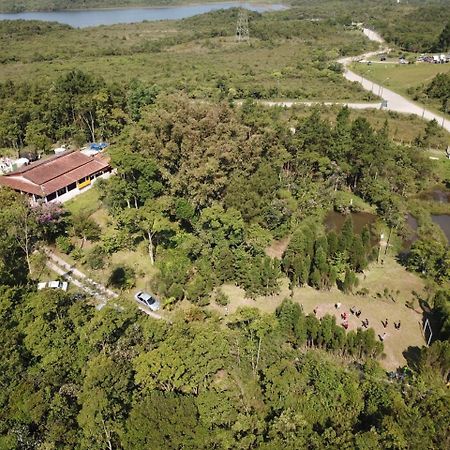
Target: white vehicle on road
x,y
147,300
63,285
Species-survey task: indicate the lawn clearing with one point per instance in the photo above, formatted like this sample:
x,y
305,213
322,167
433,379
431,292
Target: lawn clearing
x,y
86,203
376,308
401,76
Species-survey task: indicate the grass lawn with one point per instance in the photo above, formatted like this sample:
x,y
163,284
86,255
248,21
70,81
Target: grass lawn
x,y
86,203
402,78
442,164
89,203
374,307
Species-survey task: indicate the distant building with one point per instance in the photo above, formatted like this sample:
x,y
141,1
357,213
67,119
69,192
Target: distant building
x,y
8,165
53,178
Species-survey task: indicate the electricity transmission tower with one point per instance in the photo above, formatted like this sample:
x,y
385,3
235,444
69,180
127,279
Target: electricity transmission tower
x,y
242,33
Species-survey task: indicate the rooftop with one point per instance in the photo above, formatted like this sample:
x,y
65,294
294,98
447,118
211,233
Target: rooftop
x,y
51,174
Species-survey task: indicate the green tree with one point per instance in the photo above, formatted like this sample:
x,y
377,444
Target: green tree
x,y
443,42
154,224
139,95
104,398
185,362
292,321
85,228
164,421
36,136
20,225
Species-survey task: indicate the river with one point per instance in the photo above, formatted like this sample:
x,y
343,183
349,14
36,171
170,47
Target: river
x,y
95,17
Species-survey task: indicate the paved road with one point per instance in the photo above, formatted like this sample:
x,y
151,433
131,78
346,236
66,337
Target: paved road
x,y
395,102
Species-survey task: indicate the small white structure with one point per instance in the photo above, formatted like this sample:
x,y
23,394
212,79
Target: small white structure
x,y
8,165
59,150
63,285
89,152
21,162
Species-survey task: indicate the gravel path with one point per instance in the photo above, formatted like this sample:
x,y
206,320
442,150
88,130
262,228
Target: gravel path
x,y
96,290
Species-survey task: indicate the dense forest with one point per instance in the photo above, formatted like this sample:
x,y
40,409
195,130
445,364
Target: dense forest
x,y
74,377
256,381
206,178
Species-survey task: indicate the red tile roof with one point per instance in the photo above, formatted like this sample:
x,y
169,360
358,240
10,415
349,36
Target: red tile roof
x,y
51,174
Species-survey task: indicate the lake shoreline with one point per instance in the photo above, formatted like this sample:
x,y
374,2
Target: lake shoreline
x,y
158,6
88,18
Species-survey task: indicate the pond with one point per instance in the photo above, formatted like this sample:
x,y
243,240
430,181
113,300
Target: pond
x,y
443,220
95,17
436,195
335,220
412,224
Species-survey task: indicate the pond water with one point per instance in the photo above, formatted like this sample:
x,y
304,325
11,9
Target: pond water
x,y
412,223
443,220
436,195
95,17
335,220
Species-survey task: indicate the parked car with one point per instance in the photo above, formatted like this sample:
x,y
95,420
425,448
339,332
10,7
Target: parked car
x,y
382,58
148,300
63,285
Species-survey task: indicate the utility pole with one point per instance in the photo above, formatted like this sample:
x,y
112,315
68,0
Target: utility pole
x,y
242,33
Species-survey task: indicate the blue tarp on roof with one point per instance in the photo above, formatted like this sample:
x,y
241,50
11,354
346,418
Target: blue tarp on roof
x,y
98,146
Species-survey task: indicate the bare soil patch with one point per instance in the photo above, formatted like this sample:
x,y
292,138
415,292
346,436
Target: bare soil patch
x,y
278,247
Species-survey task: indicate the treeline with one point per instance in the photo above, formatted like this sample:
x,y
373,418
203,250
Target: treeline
x,y
323,261
77,108
424,29
74,377
439,88
416,26
325,333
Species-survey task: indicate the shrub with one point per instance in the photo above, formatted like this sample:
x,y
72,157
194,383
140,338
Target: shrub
x,y
95,259
64,244
122,277
77,254
363,292
222,298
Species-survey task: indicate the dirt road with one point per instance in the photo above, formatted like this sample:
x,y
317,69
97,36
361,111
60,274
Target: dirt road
x,y
96,290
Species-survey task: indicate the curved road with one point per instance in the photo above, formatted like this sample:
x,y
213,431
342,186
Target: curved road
x,y
395,102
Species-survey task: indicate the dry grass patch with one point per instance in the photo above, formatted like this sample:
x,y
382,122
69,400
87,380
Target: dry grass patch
x,y
278,247
376,308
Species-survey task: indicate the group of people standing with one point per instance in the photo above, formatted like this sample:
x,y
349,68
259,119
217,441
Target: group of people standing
x,y
365,322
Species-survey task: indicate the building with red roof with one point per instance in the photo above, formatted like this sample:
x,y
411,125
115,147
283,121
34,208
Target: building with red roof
x,y
51,178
